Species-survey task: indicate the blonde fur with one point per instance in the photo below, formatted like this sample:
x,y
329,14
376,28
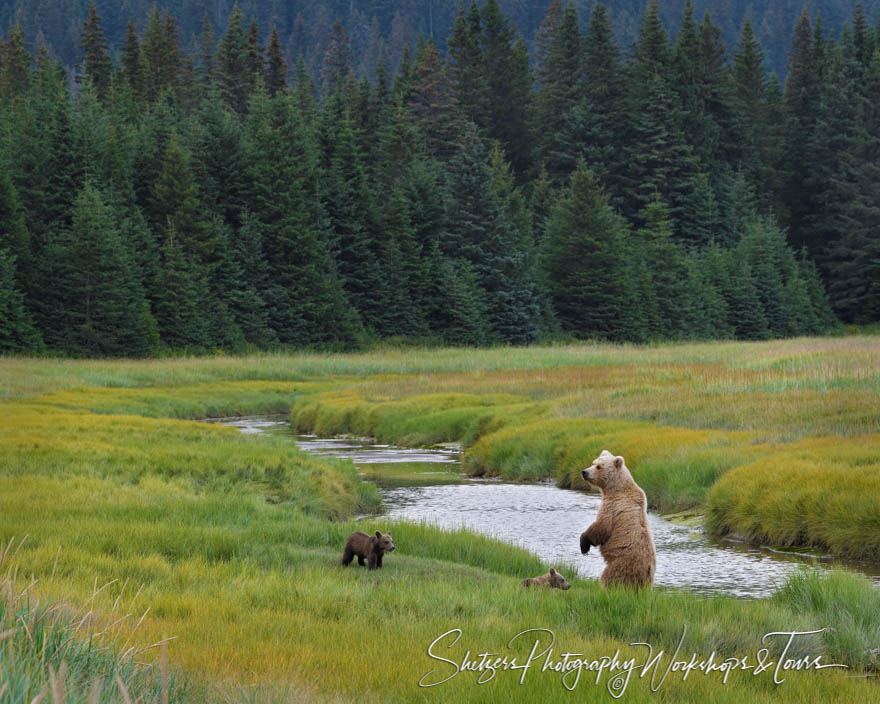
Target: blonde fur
x,y
621,526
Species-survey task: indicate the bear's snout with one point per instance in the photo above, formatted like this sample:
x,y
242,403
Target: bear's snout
x,y
585,473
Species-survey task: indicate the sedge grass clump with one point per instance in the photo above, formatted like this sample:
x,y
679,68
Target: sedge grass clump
x,y
53,652
820,493
848,606
420,420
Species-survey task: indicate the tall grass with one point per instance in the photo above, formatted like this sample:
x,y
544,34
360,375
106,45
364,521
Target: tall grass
x,y
233,542
57,653
822,493
682,425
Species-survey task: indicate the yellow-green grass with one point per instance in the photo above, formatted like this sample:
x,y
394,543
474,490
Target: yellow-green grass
x,y
411,473
681,425
516,438
233,542
817,492
277,611
65,654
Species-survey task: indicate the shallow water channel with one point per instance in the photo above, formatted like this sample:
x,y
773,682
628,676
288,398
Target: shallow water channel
x,y
548,520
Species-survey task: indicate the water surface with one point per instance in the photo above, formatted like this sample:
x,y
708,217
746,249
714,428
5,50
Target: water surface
x,y
548,521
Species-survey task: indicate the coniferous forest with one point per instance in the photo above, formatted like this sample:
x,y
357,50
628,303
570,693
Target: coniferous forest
x,y
169,193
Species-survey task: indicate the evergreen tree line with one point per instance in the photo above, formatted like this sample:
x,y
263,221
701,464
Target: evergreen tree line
x,y
169,200
382,28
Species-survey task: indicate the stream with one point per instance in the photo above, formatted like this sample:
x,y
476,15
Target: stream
x,y
547,520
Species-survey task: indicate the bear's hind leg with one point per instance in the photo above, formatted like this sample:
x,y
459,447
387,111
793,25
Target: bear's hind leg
x,y
347,556
361,560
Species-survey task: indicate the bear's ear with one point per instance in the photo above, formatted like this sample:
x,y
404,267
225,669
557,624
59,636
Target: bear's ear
x,y
552,571
378,534
389,533
618,462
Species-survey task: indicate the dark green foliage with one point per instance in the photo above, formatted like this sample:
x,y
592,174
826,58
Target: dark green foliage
x,y
593,126
560,80
132,64
276,66
17,332
96,306
306,303
234,67
466,65
176,206
180,292
433,104
160,53
506,65
664,262
584,259
459,313
15,62
14,237
95,61
337,60
441,194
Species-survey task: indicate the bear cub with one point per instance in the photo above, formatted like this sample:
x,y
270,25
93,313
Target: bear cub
x,y
552,579
367,547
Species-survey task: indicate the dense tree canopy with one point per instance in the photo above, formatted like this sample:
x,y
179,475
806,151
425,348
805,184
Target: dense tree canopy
x,y
222,182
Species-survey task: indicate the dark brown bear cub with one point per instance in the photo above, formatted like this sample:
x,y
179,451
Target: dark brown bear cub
x,y
367,547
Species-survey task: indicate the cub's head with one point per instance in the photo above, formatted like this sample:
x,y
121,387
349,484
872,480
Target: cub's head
x,y
557,581
606,471
385,542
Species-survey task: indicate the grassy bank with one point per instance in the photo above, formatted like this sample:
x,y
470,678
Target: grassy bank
x,y
683,416
229,544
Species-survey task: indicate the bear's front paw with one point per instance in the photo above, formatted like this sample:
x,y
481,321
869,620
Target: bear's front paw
x,y
585,543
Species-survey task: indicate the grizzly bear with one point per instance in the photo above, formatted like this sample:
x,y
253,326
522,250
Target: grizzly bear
x,y
621,526
369,547
552,579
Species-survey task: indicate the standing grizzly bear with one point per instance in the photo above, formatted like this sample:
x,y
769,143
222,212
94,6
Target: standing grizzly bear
x,y
621,526
369,547
552,579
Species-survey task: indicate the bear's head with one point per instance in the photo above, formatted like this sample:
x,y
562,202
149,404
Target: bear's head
x,y
607,471
385,543
557,581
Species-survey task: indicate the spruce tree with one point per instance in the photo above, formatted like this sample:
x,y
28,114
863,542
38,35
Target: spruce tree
x,y
467,64
666,261
181,294
160,51
17,331
234,65
276,66
560,81
434,106
176,205
593,127
306,303
15,65
132,67
95,62
801,101
207,66
99,308
337,60
506,66
584,259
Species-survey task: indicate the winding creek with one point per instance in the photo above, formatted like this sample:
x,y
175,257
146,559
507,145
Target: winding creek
x,y
547,520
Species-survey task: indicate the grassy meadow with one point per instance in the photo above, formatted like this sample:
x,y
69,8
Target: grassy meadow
x,y
148,556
